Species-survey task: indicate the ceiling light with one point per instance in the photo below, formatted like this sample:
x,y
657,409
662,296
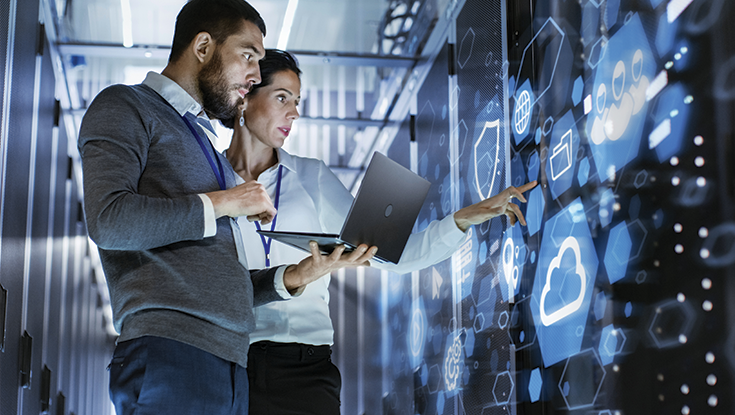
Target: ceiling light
x,y
127,23
287,23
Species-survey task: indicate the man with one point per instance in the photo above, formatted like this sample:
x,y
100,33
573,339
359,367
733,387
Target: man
x,y
159,203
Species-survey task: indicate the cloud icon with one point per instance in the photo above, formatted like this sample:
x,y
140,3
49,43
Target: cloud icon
x,y
549,319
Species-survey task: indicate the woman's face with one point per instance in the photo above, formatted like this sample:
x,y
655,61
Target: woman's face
x,y
272,110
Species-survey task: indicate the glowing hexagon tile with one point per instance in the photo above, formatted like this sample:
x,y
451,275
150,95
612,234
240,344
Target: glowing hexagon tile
x,y
671,323
465,48
577,91
534,385
503,388
616,122
612,7
533,164
535,210
521,333
671,120
566,247
582,379
584,171
612,341
607,200
453,364
522,111
590,22
617,252
513,254
600,306
563,145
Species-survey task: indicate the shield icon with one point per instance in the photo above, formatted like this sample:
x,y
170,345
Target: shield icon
x,y
486,158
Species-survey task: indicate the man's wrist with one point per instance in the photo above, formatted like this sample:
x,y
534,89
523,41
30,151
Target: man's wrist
x,y
292,279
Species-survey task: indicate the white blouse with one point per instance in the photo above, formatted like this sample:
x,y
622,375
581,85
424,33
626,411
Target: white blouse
x,y
313,199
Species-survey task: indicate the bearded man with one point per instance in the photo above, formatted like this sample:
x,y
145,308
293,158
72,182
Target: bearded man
x,y
159,204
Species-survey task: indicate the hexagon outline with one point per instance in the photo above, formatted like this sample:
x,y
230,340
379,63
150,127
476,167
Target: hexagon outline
x,y
558,53
602,379
689,314
461,46
535,334
510,392
642,242
488,124
602,44
500,317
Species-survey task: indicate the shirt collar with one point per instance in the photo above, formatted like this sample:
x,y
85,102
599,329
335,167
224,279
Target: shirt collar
x,y
286,160
173,93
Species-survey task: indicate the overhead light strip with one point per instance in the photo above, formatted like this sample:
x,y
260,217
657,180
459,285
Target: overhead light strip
x,y
127,23
287,23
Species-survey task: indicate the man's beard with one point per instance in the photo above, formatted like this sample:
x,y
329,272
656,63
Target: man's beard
x,y
215,91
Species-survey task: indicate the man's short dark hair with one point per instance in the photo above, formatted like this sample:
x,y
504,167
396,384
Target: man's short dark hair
x,y
219,18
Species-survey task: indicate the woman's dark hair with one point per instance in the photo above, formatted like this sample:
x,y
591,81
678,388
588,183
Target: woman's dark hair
x,y
275,61
219,18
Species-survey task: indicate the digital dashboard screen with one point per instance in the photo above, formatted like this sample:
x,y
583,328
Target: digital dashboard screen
x,y
616,296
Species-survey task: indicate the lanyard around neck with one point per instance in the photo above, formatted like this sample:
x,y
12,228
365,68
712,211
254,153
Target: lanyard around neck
x,y
263,239
219,172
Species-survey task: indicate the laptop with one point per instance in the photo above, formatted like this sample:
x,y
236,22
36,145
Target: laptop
x,y
383,213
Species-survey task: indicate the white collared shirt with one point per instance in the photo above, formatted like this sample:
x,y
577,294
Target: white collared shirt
x,y
312,199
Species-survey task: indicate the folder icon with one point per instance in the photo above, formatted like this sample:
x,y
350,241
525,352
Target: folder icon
x,y
561,156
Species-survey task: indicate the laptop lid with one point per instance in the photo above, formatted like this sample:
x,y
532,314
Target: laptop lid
x,y
382,214
385,208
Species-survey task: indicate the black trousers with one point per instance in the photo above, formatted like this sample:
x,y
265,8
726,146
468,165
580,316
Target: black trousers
x,y
292,378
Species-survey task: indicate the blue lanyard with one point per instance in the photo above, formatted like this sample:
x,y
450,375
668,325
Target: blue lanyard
x,y
219,173
264,240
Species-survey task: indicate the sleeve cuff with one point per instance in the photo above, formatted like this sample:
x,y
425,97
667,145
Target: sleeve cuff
x,y
449,231
281,286
210,222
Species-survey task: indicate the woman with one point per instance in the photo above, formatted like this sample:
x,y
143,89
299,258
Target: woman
x,y
289,367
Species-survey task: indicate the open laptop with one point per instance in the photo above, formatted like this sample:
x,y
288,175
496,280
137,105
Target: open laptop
x,y
383,213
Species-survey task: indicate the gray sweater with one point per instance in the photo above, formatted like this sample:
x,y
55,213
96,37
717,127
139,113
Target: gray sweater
x,y
143,169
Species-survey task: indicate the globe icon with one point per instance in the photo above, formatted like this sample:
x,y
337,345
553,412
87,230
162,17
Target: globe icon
x,y
522,113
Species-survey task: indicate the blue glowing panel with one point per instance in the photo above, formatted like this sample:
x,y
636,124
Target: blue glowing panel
x,y
600,305
563,285
617,252
535,210
417,333
562,155
607,207
485,171
590,22
615,125
467,263
533,165
453,364
671,118
523,111
577,91
534,385
513,256
584,171
612,341
612,7
666,35
518,173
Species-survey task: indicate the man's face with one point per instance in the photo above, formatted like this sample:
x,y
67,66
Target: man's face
x,y
231,71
